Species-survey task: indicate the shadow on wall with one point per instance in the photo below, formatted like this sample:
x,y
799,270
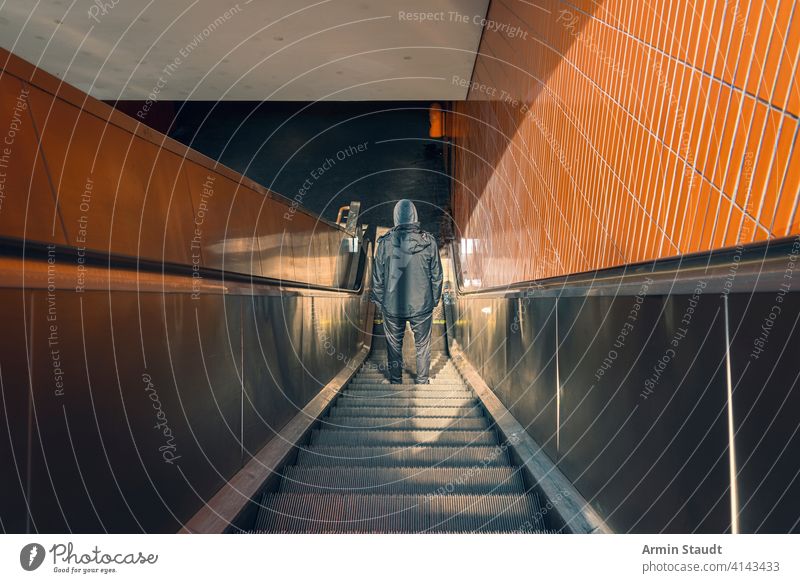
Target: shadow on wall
x,y
502,89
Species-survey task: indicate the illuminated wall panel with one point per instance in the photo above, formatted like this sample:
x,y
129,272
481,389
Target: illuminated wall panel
x,y
597,134
76,172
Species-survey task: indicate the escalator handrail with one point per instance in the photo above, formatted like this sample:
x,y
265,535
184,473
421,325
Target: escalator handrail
x,y
36,251
765,254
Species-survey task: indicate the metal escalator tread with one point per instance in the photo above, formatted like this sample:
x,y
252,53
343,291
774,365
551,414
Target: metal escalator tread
x,y
401,437
423,423
409,380
434,385
433,371
402,513
406,387
417,455
402,459
403,480
442,376
406,401
434,374
400,394
408,412
427,389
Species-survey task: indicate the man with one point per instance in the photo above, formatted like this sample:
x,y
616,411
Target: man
x,y
407,285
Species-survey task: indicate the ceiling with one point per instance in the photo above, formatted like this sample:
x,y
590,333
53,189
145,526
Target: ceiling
x,y
287,50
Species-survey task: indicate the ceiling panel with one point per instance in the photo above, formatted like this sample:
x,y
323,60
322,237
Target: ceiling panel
x,y
257,50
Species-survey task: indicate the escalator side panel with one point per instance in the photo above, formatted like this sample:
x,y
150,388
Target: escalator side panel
x,y
28,206
14,409
766,403
528,385
153,363
650,462
641,418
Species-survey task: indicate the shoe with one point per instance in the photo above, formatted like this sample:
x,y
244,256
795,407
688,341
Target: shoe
x,y
425,382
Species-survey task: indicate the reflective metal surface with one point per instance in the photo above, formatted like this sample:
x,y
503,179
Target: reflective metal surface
x,y
628,394
221,373
140,364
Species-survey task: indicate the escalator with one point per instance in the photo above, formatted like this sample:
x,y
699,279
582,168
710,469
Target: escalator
x,y
185,350
403,459
233,327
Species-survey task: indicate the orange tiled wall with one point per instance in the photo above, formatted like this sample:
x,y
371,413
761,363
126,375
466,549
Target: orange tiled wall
x,y
602,133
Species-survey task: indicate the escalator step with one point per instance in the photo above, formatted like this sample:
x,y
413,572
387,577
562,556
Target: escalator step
x,y
408,412
341,513
406,374
427,481
379,374
428,423
358,400
383,456
411,389
401,437
434,372
388,392
393,394
436,366
402,459
405,383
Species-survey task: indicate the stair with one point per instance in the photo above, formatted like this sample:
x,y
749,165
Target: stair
x,y
402,459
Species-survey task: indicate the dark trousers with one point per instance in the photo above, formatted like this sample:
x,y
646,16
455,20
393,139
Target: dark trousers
x,y
394,328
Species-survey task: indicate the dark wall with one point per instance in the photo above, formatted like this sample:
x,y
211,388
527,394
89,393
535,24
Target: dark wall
x,y
280,144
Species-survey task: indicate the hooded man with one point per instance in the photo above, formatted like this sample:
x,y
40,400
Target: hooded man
x,y
407,285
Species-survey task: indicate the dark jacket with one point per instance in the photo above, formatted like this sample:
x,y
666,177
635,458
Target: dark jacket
x,y
407,276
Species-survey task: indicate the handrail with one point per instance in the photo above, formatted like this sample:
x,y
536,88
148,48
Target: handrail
x,y
756,264
29,250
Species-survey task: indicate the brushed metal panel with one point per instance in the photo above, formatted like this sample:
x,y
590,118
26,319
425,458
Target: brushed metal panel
x,y
304,243
128,175
27,202
84,158
643,408
764,338
118,449
118,193
284,373
495,334
654,464
80,430
111,369
14,391
266,405
276,242
124,194
228,213
167,217
531,369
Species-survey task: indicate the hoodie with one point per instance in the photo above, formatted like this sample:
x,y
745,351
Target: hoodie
x,y
407,275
